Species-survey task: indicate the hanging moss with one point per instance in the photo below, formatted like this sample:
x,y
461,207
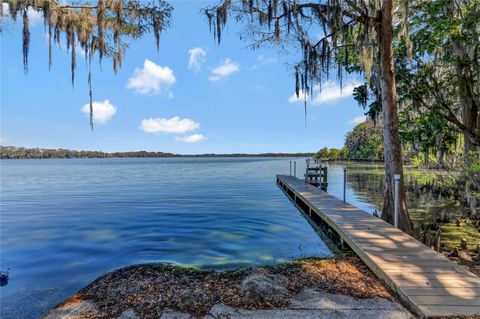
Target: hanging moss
x,y
297,82
101,21
101,29
344,23
277,31
26,41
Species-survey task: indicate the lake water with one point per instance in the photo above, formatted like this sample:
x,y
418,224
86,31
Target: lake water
x,y
65,222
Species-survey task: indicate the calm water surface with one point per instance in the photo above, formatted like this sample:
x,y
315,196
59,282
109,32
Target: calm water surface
x,y
66,222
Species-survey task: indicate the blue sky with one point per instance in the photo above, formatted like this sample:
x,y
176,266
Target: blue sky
x,y
191,97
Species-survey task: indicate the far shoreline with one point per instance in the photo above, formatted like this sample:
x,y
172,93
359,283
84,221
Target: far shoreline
x,y
175,156
206,156
14,152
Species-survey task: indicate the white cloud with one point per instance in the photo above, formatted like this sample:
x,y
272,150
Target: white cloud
x,y
4,140
34,17
196,57
78,48
151,78
173,125
297,99
191,138
264,61
102,111
358,120
329,92
267,59
224,69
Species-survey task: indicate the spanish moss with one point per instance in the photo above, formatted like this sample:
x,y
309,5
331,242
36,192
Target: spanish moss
x,y
102,29
344,23
26,40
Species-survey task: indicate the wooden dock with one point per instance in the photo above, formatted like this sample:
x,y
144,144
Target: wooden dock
x,y
317,176
427,282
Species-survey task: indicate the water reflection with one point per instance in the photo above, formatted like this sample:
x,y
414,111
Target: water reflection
x,y
365,188
65,222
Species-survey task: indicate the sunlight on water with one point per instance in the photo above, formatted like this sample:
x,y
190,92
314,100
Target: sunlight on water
x,y
65,222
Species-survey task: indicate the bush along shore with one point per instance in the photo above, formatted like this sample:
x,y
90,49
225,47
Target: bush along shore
x,y
12,152
153,290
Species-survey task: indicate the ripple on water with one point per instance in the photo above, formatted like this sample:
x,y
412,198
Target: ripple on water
x,y
65,222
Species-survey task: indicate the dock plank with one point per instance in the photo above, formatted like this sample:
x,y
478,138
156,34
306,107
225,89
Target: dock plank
x,y
427,282
436,311
429,291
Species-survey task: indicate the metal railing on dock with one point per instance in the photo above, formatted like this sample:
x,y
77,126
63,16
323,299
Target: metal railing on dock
x,y
316,174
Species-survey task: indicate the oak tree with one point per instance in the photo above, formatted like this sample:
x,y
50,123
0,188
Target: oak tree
x,y
363,27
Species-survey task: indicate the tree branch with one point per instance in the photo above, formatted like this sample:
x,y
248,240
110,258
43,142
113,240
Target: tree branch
x,y
327,8
333,33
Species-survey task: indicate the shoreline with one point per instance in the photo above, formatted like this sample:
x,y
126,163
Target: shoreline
x,y
174,156
13,152
152,290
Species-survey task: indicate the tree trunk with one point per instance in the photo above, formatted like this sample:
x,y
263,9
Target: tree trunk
x,y
469,103
440,158
392,146
440,151
469,110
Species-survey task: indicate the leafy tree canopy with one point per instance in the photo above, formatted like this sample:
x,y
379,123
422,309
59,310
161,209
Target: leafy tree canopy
x,y
365,141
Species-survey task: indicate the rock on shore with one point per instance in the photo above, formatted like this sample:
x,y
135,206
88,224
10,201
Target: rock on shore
x,y
341,287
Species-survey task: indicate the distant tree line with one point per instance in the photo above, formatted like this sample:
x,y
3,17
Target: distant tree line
x,y
12,152
364,142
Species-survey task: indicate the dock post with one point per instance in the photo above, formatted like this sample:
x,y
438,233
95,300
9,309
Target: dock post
x,y
290,168
396,202
307,177
344,184
324,178
295,168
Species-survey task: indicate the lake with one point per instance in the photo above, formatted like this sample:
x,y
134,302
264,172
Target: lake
x,y
65,222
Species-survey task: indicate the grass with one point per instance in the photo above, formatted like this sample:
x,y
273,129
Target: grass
x,y
452,235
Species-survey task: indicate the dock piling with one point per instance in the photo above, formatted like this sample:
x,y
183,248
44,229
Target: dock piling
x,y
324,180
396,202
344,184
307,178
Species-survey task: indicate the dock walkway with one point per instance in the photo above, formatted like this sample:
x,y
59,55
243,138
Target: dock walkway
x,y
427,282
